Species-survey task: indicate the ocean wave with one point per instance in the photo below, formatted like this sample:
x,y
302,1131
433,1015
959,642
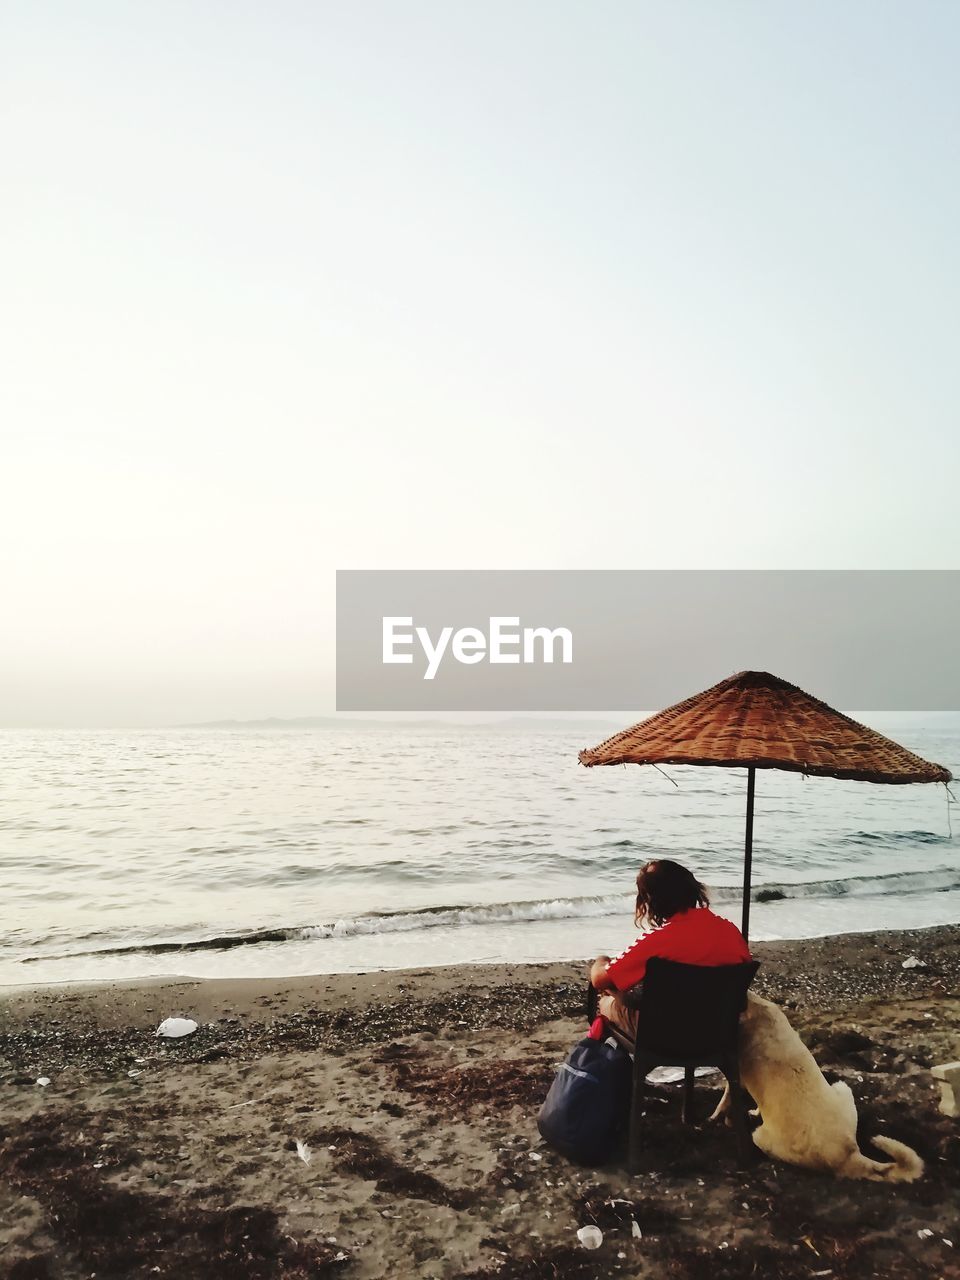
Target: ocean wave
x,y
614,904
894,838
546,909
457,917
868,886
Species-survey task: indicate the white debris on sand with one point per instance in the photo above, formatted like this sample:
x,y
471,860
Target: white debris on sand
x,y
590,1237
174,1028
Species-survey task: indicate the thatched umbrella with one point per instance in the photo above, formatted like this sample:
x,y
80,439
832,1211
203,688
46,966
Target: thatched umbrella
x,y
757,721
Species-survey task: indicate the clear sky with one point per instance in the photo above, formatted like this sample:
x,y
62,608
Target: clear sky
x,y
290,287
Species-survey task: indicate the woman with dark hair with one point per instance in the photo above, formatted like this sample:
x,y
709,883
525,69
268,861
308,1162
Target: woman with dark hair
x,y
674,911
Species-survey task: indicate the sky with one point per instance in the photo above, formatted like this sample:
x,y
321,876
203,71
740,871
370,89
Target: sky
x,y
296,287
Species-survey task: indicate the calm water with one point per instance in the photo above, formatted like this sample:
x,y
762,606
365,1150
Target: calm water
x,y
214,852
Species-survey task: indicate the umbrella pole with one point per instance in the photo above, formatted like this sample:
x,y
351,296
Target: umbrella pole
x,y
748,853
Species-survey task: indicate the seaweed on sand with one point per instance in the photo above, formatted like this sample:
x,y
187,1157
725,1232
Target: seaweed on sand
x,y
116,1231
563,1263
360,1154
504,1083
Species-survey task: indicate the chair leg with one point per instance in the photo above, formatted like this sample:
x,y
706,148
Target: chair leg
x,y
686,1115
635,1136
745,1148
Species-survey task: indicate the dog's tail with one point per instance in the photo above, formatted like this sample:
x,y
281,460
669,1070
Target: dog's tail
x,y
905,1166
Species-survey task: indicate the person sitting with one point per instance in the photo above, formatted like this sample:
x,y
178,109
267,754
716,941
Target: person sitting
x,y
674,911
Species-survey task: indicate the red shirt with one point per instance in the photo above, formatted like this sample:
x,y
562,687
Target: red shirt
x,y
696,936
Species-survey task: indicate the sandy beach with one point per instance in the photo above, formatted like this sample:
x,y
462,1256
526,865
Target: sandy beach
x,y
416,1093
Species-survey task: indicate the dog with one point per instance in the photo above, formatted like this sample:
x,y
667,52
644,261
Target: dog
x,y
805,1120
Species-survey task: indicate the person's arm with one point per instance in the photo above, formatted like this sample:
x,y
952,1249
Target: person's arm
x,y
599,977
628,968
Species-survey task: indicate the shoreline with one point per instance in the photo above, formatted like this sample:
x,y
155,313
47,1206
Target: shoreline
x,y
416,1092
870,964
456,938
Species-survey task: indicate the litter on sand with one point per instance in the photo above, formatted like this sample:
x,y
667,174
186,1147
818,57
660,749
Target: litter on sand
x,y
174,1028
912,962
590,1237
43,1081
303,1151
635,1229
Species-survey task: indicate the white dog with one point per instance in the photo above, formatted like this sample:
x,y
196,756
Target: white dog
x,y
805,1120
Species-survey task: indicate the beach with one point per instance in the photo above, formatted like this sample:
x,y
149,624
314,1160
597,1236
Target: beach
x,y
414,1095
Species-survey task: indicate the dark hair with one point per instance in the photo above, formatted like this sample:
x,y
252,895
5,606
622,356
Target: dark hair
x,y
663,889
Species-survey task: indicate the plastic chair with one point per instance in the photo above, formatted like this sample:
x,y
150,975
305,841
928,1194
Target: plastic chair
x,y
688,1016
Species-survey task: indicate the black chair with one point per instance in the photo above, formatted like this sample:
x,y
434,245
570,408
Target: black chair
x,y
688,1016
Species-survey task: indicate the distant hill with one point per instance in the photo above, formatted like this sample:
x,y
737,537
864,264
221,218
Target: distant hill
x,y
524,723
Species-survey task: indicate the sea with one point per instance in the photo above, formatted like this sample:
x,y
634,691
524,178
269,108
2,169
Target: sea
x,y
269,852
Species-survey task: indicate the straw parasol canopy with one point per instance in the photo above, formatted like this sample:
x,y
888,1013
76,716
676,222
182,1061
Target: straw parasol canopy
x,y
755,720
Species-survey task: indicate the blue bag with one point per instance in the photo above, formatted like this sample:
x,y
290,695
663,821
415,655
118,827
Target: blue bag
x,y
588,1102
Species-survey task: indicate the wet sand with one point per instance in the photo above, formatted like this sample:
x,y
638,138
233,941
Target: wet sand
x,y
416,1093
